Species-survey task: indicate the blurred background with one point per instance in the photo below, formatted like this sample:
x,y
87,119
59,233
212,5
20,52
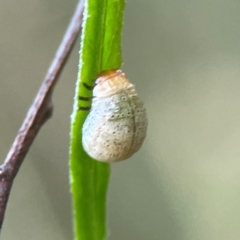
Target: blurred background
x,y
184,184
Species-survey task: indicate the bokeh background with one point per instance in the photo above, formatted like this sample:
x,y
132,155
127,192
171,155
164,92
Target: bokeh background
x,y
184,184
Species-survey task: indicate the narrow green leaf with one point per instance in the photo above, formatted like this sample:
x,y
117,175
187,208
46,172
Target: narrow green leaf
x,y
100,50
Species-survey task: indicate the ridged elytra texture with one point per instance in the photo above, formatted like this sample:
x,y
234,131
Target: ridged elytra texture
x,y
117,123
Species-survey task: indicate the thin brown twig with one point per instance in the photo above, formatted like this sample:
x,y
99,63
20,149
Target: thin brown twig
x,y
40,111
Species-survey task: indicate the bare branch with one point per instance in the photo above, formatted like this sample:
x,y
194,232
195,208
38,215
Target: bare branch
x,y
40,111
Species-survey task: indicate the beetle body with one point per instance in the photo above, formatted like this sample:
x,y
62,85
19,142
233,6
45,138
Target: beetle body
x,y
117,123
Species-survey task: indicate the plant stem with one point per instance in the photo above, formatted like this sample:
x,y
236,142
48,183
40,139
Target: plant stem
x,y
40,111
100,50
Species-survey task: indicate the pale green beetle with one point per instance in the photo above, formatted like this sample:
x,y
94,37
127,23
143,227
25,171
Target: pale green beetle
x,y
117,123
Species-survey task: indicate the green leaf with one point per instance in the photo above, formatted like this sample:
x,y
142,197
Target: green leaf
x,y
100,50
